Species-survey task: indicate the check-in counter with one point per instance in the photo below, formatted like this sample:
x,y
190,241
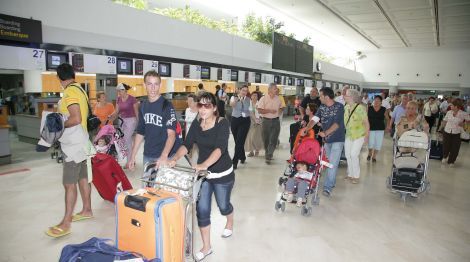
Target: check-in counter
x,y
28,128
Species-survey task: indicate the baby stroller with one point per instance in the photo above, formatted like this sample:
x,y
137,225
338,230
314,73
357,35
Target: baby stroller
x,y
409,169
306,150
116,146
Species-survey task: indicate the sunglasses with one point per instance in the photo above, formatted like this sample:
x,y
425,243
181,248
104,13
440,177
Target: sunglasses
x,y
206,106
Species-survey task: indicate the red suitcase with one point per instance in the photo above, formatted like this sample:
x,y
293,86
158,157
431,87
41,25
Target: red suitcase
x,y
108,176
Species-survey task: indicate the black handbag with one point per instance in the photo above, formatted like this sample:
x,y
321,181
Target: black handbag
x,y
93,122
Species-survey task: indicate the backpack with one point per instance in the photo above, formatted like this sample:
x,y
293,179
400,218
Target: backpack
x,y
166,103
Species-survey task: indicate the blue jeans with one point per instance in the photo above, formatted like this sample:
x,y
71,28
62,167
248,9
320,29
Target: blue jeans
x,y
333,152
222,192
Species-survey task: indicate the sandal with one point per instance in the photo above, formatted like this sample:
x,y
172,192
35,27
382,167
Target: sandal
x,y
62,232
77,217
355,180
199,256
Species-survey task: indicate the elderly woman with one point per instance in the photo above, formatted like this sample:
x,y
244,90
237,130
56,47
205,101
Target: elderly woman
x,y
452,126
254,140
411,120
378,117
357,131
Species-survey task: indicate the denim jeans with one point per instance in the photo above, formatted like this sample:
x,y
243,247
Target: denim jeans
x,y
222,192
333,152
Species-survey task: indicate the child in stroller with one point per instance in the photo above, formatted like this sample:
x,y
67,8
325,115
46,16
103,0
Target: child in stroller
x,y
101,145
302,175
299,181
115,145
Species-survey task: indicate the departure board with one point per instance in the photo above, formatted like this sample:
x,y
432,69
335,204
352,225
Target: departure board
x,y
283,52
303,58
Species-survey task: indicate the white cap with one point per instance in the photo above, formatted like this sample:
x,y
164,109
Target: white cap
x,y
120,87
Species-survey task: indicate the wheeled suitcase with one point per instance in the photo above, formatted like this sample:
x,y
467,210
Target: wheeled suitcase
x,y
108,176
151,223
436,150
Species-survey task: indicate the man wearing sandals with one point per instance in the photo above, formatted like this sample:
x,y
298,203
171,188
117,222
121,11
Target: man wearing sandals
x,y
74,108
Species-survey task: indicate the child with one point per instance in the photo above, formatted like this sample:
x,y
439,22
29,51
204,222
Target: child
x,y
300,180
101,145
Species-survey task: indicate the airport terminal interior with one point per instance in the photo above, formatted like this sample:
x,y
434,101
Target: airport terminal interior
x,y
410,58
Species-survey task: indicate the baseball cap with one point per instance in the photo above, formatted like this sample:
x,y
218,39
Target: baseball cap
x,y
120,87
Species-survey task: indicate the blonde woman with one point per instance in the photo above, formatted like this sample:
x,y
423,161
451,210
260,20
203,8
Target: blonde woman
x,y
357,131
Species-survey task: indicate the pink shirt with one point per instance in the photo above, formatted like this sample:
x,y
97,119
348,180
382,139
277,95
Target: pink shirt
x,y
452,126
126,108
266,102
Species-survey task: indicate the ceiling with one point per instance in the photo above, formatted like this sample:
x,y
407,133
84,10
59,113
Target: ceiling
x,y
391,23
364,25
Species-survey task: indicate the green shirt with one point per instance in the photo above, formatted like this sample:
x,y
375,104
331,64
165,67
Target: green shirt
x,y
355,128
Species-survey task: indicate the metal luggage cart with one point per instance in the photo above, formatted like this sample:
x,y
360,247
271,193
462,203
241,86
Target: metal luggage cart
x,y
187,184
421,183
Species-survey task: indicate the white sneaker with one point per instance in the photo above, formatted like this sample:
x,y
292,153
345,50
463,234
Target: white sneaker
x,y
227,233
299,201
444,161
199,256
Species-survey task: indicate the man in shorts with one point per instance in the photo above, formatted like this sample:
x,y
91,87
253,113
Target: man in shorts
x,y
74,107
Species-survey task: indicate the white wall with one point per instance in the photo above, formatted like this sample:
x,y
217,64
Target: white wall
x,y
425,62
340,74
110,26
115,27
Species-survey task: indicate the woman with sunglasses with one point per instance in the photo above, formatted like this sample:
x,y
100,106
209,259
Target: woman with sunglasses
x,y
211,133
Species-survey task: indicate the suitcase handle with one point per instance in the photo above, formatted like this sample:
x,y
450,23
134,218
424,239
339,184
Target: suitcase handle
x,y
136,202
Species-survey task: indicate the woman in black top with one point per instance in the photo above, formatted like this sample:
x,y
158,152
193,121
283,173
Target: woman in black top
x,y
211,134
377,116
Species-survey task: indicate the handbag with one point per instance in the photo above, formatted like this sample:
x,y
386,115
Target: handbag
x,y
93,122
349,118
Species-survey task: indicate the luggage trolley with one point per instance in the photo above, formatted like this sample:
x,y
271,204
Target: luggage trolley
x,y
409,172
186,182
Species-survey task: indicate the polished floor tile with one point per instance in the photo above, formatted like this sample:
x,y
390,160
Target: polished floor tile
x,y
362,222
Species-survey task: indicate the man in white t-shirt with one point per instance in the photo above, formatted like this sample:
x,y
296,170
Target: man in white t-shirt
x,y
340,99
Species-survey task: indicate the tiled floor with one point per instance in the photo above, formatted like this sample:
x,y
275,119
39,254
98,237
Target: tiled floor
x,y
362,222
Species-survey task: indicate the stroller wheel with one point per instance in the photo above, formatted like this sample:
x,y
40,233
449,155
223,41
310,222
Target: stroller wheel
x,y
277,206
306,211
283,206
281,181
403,196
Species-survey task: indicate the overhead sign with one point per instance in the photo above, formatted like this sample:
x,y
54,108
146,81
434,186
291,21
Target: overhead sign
x,y
21,58
150,65
99,64
20,29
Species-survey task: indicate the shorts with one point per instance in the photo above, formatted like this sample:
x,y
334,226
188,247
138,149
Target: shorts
x,y
73,172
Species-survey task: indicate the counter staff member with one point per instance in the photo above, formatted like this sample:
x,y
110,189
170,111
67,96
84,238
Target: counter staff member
x,y
270,107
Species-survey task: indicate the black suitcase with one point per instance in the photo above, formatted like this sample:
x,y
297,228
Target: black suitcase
x,y
407,179
436,150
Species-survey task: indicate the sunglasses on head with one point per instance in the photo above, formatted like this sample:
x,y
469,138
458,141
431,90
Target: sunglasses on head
x,y
206,106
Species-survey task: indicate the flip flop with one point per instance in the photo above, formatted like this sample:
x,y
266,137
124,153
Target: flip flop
x,y
78,217
62,232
